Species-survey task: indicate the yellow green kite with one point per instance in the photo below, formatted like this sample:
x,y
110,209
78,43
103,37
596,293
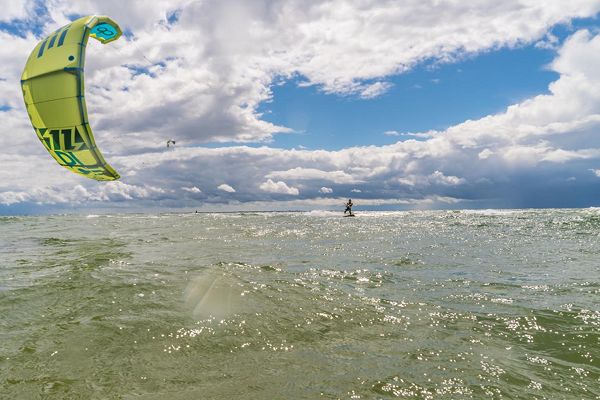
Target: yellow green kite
x,y
53,90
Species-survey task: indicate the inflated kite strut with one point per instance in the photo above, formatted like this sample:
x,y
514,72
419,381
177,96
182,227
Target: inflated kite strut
x,y
53,90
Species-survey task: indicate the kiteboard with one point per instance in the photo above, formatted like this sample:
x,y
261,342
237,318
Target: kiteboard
x,y
349,215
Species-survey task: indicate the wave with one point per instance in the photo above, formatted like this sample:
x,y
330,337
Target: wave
x,y
323,213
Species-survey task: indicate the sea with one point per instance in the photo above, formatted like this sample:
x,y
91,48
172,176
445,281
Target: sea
x,y
481,304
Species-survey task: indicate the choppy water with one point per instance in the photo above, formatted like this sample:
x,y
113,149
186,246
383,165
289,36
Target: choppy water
x,y
418,305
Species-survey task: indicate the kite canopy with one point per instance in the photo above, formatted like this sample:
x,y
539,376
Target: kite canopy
x,y
53,90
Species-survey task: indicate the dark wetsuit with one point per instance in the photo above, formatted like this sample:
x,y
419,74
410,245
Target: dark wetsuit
x,y
348,207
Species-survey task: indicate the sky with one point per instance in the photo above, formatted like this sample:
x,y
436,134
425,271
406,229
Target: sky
x,y
300,105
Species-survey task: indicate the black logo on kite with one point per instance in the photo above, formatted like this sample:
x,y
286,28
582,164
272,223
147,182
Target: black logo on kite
x,y
62,139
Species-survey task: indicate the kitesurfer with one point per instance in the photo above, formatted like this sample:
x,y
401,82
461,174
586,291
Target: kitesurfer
x,y
349,207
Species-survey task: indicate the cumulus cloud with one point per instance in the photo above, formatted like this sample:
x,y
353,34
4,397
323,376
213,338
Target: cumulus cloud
x,y
374,89
326,190
439,178
116,191
485,153
301,173
13,10
110,192
226,188
192,189
10,197
278,187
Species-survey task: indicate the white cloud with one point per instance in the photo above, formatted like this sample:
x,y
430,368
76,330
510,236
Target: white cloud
x,y
408,181
12,10
439,178
116,190
596,172
279,187
301,173
192,189
109,192
422,135
326,190
356,191
374,89
10,197
226,188
485,153
549,42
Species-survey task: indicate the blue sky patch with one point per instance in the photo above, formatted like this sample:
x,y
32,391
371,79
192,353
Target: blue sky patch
x,y
34,23
430,97
173,16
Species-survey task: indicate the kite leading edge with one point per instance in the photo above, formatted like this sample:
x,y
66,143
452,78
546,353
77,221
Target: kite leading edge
x,y
53,89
